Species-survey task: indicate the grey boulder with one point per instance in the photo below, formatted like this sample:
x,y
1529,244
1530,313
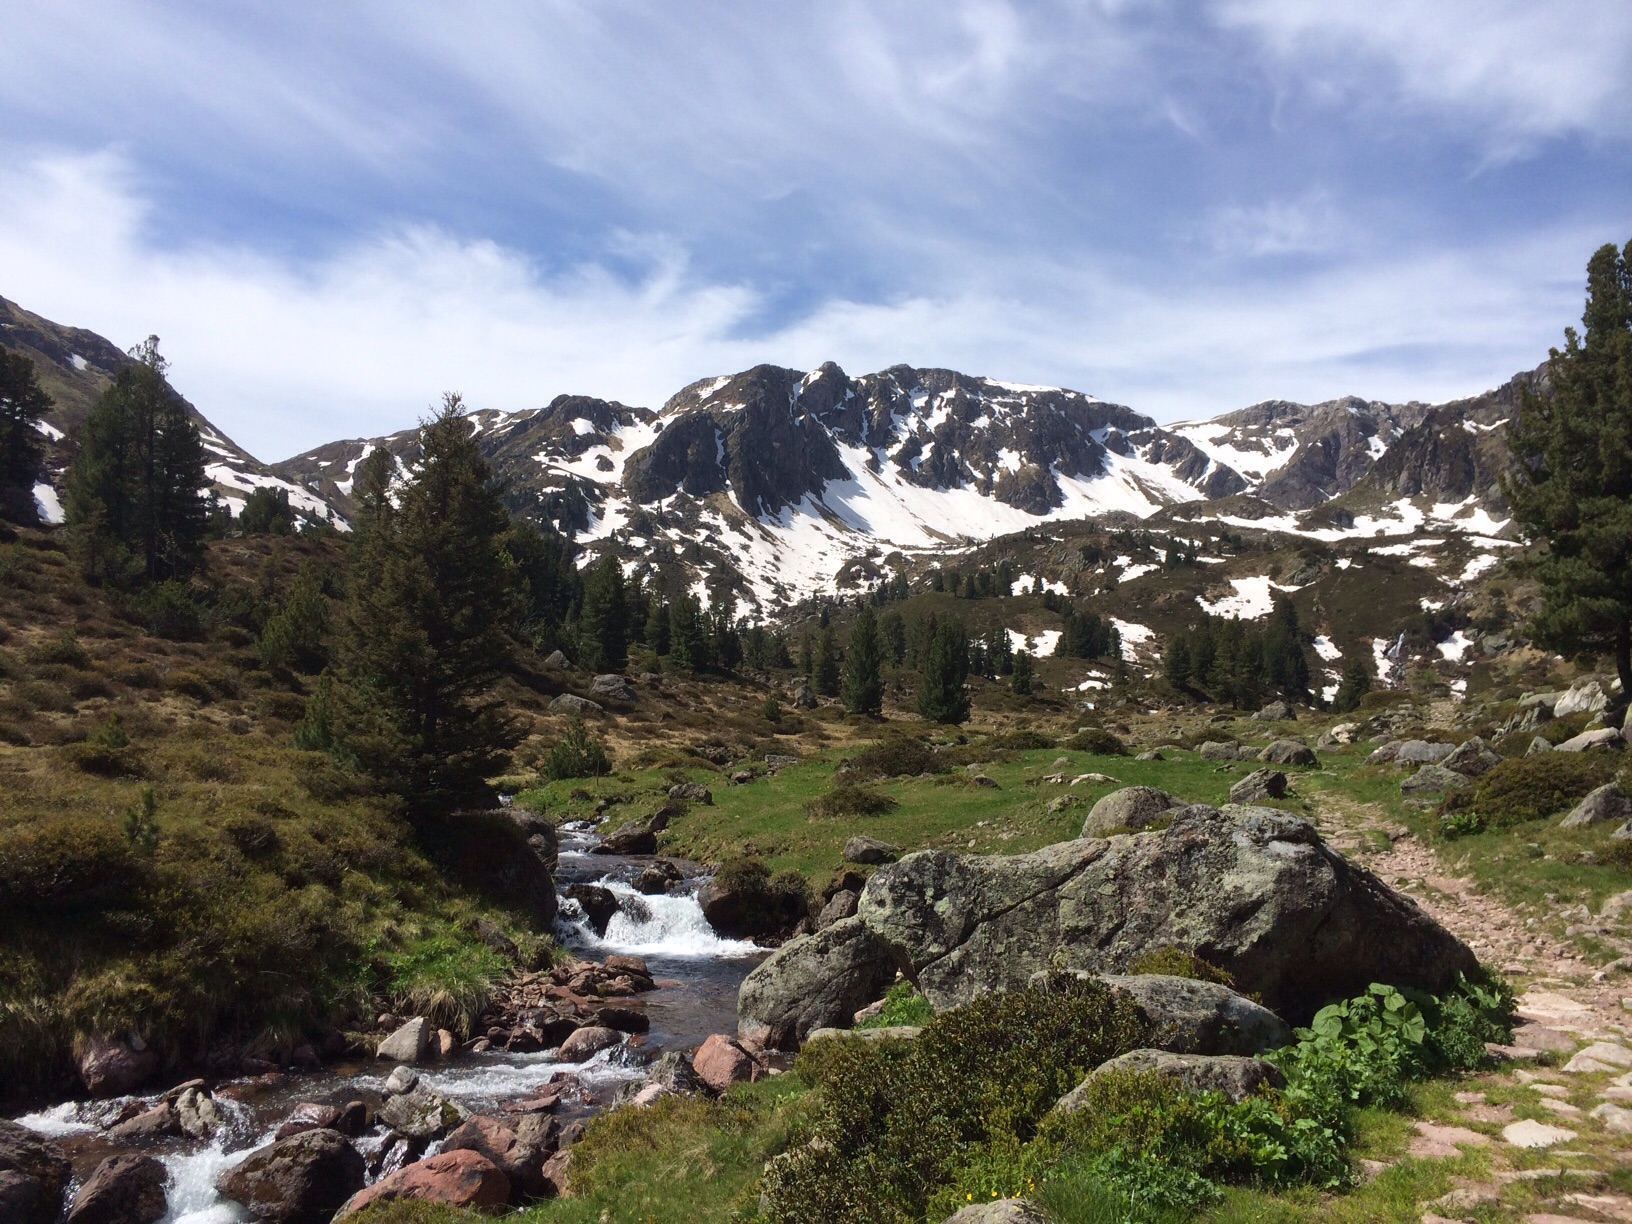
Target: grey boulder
x,y
1287,752
571,703
867,850
303,1179
1420,752
124,1189
1003,1211
1538,745
691,792
1130,809
811,982
420,1113
612,685
1472,758
840,905
1234,1075
1217,750
1598,737
1259,784
409,1044
1188,1016
1254,891
1276,711
1606,803
1432,780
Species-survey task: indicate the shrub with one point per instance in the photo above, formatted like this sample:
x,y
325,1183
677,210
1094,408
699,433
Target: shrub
x,y
168,610
902,1005
62,649
1529,788
772,709
1097,741
577,755
78,864
764,901
1176,962
1023,741
846,800
895,757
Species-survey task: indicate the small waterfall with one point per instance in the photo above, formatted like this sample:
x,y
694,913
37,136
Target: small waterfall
x,y
661,925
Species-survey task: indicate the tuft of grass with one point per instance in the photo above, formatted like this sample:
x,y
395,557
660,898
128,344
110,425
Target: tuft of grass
x,y
844,800
445,978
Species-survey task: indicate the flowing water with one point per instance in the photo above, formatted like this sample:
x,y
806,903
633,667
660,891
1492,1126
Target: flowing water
x,y
698,974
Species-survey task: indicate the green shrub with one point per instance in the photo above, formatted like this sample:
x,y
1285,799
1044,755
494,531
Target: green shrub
x,y
1176,962
1529,788
168,610
902,1005
1096,741
62,649
1023,741
72,864
845,800
1460,824
577,755
895,757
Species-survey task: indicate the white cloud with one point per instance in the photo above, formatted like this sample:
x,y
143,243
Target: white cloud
x,y
284,355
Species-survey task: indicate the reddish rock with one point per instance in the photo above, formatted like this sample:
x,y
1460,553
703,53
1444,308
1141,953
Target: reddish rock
x,y
587,1042
33,1175
620,963
155,1123
624,1019
521,1162
555,1174
459,1179
353,1119
444,1044
126,1189
721,1061
299,1180
113,1066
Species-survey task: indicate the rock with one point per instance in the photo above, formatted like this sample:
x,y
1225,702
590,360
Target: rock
x,y
401,1079
300,1180
1432,780
632,837
675,1072
654,881
1421,752
840,905
742,777
1188,1016
804,697
541,834
1341,734
1256,889
1060,802
1259,784
521,1163
597,902
1130,809
612,685
1002,1211
1606,803
33,1175
421,1114
865,850
776,760
691,792
1384,754
721,1061
1600,1056
444,1044
1538,745
814,981
885,1032
126,1189
571,703
1530,1134
622,1019
556,1173
110,1066
634,966
1472,758
409,1044
1152,754
1235,1075
196,1114
589,1041
981,779
1615,1118
460,1179
556,661
746,907
1599,737
1584,697
310,1115
1215,750
1287,752
156,1123
1276,711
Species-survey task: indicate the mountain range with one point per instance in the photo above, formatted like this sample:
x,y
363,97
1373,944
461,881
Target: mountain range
x,y
788,483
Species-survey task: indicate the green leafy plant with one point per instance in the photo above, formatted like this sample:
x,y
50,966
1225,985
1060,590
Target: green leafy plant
x,y
903,1005
141,822
576,755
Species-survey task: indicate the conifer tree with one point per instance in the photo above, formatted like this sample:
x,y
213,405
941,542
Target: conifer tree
x,y
1571,489
425,636
863,687
1021,681
136,504
825,679
295,636
1353,685
603,626
688,636
941,694
22,451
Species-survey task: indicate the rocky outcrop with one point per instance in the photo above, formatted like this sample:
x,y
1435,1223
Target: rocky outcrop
x,y
1128,810
1606,803
814,981
598,903
1235,1076
114,1066
33,1175
124,1189
1254,891
464,1179
300,1180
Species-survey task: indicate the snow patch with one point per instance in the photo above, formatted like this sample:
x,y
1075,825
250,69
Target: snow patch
x,y
49,503
1251,600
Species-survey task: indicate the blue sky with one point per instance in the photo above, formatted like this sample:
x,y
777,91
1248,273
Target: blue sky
x,y
332,213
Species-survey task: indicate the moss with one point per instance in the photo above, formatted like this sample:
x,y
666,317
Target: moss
x,y
1176,962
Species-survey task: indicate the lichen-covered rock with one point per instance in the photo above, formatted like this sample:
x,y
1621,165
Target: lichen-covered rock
x,y
814,981
1432,780
1472,758
1259,784
1419,752
1287,752
1188,1016
1606,803
1234,1075
1254,891
1276,711
866,850
300,1180
1217,750
1130,809
421,1113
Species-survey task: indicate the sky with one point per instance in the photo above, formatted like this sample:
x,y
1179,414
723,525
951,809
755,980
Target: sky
x,y
332,213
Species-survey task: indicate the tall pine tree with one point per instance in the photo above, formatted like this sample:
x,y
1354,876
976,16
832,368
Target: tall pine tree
x,y
136,504
863,685
1571,489
603,625
941,694
825,677
22,451
432,594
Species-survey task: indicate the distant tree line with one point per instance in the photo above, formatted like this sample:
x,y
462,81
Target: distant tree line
x,y
1243,664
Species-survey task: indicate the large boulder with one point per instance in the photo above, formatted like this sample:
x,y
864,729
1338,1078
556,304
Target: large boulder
x,y
584,1043
33,1175
1218,750
1259,784
598,902
1472,758
1254,891
420,1113
519,1158
571,703
300,1180
114,1066
460,1179
1598,737
1584,697
814,981
1606,803
124,1189
1003,1211
1188,1016
867,850
1234,1075
1419,752
1432,780
1276,711
1287,752
1128,810
611,684
631,837
541,834
722,1061
409,1043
